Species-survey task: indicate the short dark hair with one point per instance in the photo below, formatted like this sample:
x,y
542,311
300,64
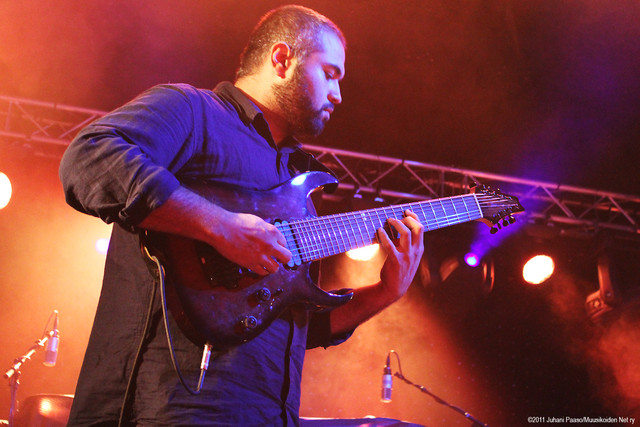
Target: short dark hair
x,y
298,26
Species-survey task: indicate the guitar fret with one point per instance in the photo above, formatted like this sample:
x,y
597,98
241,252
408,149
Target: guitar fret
x,y
326,239
345,235
311,238
347,221
355,243
466,205
375,223
461,210
363,235
453,206
339,237
379,223
434,218
422,216
447,214
322,245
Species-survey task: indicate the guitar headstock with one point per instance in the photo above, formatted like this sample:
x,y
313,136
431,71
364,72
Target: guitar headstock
x,y
497,208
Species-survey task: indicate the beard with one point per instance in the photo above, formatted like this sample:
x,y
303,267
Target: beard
x,y
294,101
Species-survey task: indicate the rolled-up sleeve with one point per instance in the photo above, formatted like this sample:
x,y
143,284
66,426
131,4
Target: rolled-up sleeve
x,y
319,332
123,165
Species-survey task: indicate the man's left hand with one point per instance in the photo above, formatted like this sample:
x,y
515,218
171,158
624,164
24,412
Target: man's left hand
x,y
403,254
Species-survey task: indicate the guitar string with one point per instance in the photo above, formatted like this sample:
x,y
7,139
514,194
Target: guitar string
x,y
337,235
337,238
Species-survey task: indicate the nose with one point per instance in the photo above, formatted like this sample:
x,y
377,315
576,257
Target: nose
x,y
335,96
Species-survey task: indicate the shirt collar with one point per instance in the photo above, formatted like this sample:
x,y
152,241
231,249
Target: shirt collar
x,y
249,112
246,109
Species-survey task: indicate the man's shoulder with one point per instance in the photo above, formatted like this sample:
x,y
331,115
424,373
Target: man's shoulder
x,y
184,89
184,95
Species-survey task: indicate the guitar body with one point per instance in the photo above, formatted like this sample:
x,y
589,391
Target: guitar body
x,y
216,301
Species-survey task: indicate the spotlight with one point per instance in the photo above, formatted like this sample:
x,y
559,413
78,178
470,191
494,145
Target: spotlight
x,y
471,259
102,245
363,254
618,285
538,269
463,271
5,190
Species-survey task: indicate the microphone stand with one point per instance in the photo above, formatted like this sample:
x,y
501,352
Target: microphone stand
x,y
13,373
476,422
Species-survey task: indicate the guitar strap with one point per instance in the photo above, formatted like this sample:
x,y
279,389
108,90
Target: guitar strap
x,y
301,161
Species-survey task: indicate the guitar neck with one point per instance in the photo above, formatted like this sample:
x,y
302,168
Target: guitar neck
x,y
321,237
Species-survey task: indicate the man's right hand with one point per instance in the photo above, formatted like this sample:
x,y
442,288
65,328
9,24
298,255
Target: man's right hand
x,y
244,239
251,242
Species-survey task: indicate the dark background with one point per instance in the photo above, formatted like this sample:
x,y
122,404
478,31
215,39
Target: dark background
x,y
546,90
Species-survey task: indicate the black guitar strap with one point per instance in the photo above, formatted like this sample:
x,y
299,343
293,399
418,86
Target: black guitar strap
x,y
301,161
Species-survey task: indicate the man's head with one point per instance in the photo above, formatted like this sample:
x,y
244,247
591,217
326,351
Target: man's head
x,y
299,27
292,66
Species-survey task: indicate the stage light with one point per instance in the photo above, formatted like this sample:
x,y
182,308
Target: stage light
x,y
456,271
5,190
538,269
365,253
102,245
471,259
618,284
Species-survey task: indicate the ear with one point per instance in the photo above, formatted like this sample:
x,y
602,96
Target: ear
x,y
281,58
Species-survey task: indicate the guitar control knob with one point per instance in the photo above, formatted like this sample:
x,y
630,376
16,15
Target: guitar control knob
x,y
249,322
263,294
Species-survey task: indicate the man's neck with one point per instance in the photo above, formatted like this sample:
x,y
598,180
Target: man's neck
x,y
260,94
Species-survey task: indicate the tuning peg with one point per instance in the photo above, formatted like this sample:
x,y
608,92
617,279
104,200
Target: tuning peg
x,y
512,219
493,230
505,222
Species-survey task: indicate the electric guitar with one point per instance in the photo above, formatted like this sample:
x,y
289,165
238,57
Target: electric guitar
x,y
214,300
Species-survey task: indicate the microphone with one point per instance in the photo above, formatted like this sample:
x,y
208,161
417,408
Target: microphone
x,y
387,381
51,352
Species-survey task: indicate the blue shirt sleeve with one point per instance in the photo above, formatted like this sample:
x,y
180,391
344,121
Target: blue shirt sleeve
x,y
123,165
319,331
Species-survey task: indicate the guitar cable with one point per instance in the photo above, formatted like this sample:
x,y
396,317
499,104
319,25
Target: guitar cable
x,y
206,353
204,365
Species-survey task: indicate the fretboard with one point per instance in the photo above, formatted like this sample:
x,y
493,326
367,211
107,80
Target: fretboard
x,y
315,238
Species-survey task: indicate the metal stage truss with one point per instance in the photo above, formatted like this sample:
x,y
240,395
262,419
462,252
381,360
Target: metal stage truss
x,y
47,128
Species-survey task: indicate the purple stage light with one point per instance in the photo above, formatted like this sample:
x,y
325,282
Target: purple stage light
x,y
471,259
